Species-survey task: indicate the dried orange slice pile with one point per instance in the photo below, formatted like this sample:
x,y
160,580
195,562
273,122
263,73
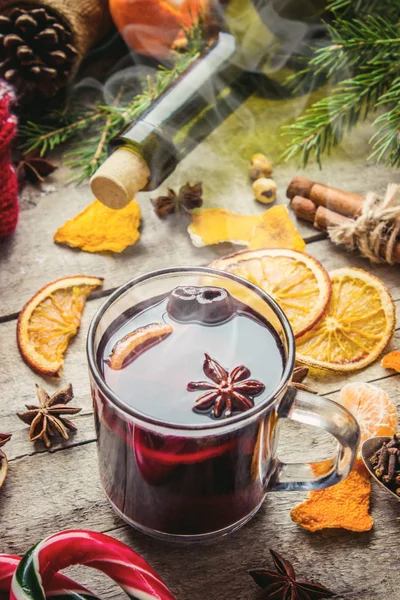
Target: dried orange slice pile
x,y
371,406
356,328
50,319
126,349
298,282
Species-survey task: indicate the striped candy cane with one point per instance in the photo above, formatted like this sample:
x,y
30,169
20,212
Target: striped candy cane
x,y
77,547
60,586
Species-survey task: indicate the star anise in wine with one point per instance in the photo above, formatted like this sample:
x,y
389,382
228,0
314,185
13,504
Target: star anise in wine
x,y
283,585
188,198
4,438
48,419
34,168
227,391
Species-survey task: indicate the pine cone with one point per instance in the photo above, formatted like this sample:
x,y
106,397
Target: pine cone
x,y
37,52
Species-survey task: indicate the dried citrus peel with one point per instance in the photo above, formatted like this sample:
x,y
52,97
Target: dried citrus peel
x,y
345,505
50,319
217,225
392,361
99,228
276,230
127,349
271,229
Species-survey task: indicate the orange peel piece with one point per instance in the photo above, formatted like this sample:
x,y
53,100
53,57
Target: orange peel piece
x,y
50,319
216,225
392,361
128,348
99,228
276,230
345,505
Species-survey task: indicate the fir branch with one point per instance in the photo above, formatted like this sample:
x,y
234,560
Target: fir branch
x,y
100,123
369,49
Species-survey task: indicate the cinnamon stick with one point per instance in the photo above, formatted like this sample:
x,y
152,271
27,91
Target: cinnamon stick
x,y
323,218
339,201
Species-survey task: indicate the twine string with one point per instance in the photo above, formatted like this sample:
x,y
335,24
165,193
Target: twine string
x,y
374,233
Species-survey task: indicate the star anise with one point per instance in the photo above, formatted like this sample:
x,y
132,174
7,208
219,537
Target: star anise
x,y
34,168
230,391
46,420
4,438
299,375
188,198
283,585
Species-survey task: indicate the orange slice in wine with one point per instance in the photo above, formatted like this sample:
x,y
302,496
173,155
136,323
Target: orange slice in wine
x,y
128,348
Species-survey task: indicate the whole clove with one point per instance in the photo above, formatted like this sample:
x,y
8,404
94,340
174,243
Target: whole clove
x,y
386,464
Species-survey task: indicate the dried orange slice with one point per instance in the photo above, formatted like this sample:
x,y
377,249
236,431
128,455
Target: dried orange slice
x,y
371,406
298,282
50,319
357,326
127,348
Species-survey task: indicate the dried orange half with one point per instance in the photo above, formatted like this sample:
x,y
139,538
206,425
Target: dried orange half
x,y
50,319
297,281
357,326
371,406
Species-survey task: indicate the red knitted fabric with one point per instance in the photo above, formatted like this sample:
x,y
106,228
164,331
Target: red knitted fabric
x,y
8,178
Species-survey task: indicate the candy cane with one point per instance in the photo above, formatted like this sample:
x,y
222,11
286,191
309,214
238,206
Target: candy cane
x,y
59,585
76,547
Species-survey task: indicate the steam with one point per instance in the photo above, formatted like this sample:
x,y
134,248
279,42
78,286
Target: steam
x,y
267,39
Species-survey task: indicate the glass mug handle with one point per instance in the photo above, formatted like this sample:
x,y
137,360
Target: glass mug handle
x,y
304,407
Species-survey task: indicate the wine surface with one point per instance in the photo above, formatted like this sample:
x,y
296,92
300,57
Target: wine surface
x,y
155,382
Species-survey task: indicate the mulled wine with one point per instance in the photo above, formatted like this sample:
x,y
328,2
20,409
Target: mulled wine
x,y
211,357
190,370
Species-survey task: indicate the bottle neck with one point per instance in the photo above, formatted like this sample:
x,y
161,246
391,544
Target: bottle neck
x,y
159,135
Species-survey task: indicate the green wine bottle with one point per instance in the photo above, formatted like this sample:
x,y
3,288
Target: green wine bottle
x,y
148,150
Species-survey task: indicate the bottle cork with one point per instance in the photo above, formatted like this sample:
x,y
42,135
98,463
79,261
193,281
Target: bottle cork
x,y
119,178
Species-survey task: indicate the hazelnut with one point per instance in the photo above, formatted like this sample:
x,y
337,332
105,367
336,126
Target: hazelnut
x,y
265,190
260,166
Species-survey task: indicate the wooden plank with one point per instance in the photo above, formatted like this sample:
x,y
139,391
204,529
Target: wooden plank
x,y
29,259
45,493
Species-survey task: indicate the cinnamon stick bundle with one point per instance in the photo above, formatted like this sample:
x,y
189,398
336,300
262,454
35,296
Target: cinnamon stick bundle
x,y
327,207
340,201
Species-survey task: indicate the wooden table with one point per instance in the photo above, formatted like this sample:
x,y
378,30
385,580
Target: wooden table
x,y
47,491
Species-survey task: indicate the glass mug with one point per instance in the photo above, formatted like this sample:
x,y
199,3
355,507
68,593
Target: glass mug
x,y
192,482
